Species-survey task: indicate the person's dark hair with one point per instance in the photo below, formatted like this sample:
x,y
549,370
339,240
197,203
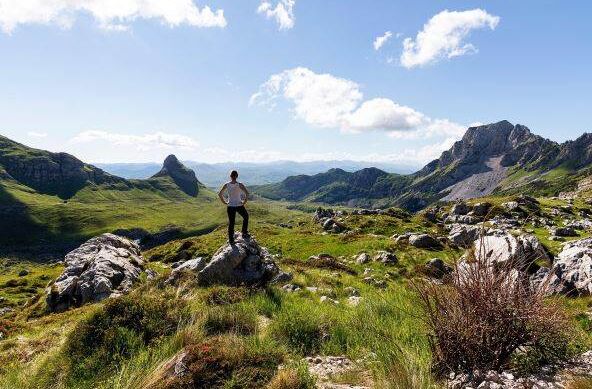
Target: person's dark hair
x,y
234,174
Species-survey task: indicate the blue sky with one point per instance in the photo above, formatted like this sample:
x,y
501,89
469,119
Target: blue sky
x,y
138,80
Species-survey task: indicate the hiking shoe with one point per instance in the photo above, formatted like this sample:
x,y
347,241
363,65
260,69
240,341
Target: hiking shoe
x,y
246,235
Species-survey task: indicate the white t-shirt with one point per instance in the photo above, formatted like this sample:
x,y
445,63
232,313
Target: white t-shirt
x,y
235,193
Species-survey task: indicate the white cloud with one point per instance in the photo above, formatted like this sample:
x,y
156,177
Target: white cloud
x,y
144,142
443,36
326,101
319,99
381,40
35,134
113,15
283,12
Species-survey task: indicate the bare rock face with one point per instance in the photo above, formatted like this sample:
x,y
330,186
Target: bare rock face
x,y
104,266
501,247
572,271
243,262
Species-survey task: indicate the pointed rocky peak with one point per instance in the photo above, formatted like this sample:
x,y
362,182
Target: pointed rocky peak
x,y
182,176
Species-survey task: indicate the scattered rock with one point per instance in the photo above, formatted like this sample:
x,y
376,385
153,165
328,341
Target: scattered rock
x,y
463,235
326,368
354,301
291,288
436,268
102,267
23,273
386,258
362,258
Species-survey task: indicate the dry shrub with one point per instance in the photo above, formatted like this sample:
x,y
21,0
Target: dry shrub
x,y
227,362
485,314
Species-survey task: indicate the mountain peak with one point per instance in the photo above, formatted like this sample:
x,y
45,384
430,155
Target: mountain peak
x,y
182,176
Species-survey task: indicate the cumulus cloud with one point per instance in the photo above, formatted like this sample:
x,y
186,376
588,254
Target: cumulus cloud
x,y
443,36
282,13
113,15
144,142
381,40
326,101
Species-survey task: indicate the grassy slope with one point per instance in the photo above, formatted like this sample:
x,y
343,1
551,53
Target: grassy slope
x,y
386,323
48,221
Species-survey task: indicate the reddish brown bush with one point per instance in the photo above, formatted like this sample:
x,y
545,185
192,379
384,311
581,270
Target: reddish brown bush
x,y
485,313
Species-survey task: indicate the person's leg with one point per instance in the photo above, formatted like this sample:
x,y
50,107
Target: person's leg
x,y
243,212
231,211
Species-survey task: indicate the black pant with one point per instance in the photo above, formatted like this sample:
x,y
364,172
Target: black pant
x,y
232,211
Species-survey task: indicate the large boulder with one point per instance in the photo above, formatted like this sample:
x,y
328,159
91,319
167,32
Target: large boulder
x,y
104,266
572,270
424,241
242,262
501,247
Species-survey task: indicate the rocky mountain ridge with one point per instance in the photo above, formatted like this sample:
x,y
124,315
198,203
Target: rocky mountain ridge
x,y
475,166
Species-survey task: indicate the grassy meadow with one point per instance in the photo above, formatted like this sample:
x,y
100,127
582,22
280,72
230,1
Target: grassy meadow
x,y
243,334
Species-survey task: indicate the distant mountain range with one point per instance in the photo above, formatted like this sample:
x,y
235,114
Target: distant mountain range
x,y
495,158
251,173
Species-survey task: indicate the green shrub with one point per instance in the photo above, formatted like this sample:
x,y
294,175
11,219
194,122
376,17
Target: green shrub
x,y
121,328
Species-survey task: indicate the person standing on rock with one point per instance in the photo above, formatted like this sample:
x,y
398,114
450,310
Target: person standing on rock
x,y
235,200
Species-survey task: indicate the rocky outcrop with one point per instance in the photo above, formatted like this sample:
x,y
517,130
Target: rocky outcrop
x,y
571,273
102,267
183,177
243,262
501,247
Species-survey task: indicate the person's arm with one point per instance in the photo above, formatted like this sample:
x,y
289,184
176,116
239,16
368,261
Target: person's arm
x,y
244,189
221,195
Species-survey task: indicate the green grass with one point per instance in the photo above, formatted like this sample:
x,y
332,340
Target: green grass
x,y
265,327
